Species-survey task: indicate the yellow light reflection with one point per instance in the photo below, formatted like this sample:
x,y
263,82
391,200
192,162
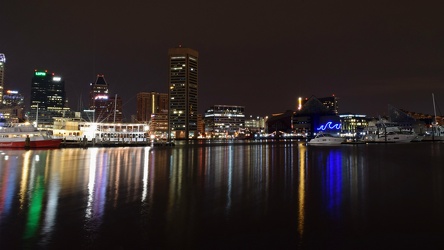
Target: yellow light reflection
x,y
301,189
24,179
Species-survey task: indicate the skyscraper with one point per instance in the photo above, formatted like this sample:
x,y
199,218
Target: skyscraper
x,y
183,92
105,108
149,103
48,97
2,75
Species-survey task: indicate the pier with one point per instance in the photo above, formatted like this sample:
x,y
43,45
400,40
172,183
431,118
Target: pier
x,y
104,144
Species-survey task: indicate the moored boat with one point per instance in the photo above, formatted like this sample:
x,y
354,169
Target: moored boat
x,y
392,136
26,136
326,139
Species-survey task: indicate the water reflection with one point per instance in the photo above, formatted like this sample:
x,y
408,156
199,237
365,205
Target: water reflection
x,y
185,196
333,181
97,183
301,189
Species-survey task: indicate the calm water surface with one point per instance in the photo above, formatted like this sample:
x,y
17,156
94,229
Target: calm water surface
x,y
230,196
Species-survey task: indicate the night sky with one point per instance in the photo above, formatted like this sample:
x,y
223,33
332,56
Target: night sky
x,y
259,54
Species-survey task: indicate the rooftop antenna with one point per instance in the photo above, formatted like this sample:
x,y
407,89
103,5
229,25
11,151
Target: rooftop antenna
x,y
434,106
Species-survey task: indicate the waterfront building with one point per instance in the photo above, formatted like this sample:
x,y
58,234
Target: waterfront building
x,y
280,123
48,98
317,115
353,125
255,125
2,75
158,125
183,93
103,107
13,106
149,103
200,125
224,121
330,102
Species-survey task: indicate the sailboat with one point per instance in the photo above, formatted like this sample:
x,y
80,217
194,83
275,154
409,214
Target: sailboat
x,y
437,133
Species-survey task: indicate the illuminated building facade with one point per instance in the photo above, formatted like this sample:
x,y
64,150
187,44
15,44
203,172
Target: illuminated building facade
x,y
352,124
158,125
317,115
2,75
224,121
183,92
13,106
103,107
48,97
255,125
13,98
149,103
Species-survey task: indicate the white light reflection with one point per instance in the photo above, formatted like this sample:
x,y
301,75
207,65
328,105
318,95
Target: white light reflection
x,y
91,181
51,205
230,178
145,172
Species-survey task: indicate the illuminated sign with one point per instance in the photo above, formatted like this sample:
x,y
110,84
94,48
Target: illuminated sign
x,y
330,126
101,97
12,92
40,73
2,58
56,78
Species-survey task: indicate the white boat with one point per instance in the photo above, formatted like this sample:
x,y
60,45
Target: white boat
x,y
391,136
326,139
26,136
437,132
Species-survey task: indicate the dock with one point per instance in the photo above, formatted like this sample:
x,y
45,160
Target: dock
x,y
108,144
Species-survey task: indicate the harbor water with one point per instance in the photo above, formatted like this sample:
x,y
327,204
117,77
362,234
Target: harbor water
x,y
258,195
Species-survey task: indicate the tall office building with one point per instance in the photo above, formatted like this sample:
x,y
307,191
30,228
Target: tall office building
x,y
48,97
104,108
2,75
149,103
183,92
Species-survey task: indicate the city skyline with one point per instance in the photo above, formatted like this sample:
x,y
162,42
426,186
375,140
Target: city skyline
x,y
262,56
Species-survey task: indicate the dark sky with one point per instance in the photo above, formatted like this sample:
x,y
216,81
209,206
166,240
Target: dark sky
x,y
260,54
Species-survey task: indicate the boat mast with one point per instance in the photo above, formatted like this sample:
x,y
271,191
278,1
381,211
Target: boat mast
x,y
115,106
434,107
434,123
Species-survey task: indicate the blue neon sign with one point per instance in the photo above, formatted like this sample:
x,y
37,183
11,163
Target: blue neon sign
x,y
329,126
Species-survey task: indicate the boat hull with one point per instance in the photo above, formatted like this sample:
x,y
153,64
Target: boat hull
x,y
326,140
390,138
50,143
